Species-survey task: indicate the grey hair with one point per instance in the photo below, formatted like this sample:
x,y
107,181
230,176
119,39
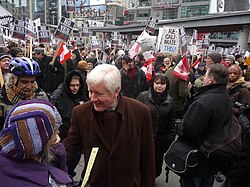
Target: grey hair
x,y
107,74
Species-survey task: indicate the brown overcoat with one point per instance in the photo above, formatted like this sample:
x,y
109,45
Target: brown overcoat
x,y
129,161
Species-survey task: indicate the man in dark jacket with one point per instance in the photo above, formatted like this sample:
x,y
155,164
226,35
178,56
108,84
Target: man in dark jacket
x,y
51,75
133,79
209,112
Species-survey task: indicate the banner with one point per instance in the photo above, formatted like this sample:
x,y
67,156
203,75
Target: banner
x,y
64,29
168,40
43,34
70,6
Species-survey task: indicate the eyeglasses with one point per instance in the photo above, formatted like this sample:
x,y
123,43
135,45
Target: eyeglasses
x,y
75,85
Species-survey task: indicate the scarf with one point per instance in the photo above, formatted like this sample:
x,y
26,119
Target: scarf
x,y
159,99
230,85
15,95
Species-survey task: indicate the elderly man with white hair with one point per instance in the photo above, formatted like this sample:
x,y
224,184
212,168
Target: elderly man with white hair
x,y
119,126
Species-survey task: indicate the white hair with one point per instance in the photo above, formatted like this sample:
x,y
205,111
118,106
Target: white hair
x,y
107,74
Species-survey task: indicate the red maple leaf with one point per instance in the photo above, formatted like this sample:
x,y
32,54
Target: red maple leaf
x,y
181,67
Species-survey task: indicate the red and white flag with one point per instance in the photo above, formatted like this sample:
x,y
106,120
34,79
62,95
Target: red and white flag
x,y
182,69
196,63
63,53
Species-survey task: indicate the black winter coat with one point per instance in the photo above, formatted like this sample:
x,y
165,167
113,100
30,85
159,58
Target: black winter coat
x,y
163,125
237,170
208,113
65,101
132,87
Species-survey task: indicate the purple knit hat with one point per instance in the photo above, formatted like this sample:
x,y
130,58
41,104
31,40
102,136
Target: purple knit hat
x,y
28,128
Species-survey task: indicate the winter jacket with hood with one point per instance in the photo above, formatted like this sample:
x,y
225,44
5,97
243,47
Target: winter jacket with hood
x,y
65,101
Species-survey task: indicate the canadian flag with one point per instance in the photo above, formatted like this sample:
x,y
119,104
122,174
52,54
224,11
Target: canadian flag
x,y
182,69
149,72
63,53
196,63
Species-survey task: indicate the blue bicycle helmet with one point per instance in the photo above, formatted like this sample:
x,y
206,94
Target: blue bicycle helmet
x,y
24,66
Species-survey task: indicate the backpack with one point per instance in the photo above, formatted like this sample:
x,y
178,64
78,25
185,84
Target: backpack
x,y
226,148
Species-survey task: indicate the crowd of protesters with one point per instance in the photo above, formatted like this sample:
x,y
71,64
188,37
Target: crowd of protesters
x,y
127,108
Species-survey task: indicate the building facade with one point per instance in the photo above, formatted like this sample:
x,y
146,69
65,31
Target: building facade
x,y
139,11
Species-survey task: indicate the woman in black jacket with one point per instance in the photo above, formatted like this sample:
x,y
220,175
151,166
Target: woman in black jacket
x,y
159,102
69,94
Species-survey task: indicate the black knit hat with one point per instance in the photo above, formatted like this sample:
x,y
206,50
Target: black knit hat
x,y
4,55
215,56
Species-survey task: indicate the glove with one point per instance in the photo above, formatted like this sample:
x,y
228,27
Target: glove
x,y
52,68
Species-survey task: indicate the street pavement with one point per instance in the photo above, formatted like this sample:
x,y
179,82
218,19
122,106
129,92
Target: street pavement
x,y
159,182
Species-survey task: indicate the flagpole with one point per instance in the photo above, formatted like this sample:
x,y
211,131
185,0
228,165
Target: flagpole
x,y
1,78
30,47
31,18
55,54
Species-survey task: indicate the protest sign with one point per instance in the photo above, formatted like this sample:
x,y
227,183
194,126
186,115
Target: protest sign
x,y
19,30
78,41
43,34
30,28
94,42
85,33
151,26
64,29
168,40
70,6
183,40
147,42
205,41
116,41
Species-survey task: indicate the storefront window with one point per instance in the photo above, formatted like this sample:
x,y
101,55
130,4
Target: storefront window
x,y
188,1
170,14
192,11
143,13
225,35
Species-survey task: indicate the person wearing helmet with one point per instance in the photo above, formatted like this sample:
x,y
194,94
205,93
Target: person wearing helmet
x,y
19,85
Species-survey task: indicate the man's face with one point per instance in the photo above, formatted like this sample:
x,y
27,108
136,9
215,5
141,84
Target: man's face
x,y
209,61
207,80
130,65
4,64
27,84
38,56
90,65
167,62
101,98
241,59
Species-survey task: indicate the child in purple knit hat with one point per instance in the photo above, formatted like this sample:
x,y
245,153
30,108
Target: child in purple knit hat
x,y
29,135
